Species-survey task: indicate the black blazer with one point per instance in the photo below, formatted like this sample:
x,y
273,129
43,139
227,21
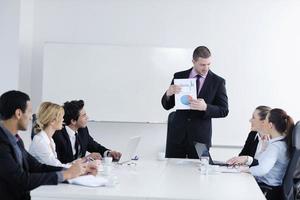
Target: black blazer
x,y
64,147
250,146
16,181
196,125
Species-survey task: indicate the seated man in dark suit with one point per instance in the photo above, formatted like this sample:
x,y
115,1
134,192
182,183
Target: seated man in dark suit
x,y
19,171
74,140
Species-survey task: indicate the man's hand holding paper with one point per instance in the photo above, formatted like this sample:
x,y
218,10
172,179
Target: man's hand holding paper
x,y
198,104
173,89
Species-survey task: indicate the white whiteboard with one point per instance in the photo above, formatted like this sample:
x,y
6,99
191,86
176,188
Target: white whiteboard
x,y
125,83
118,83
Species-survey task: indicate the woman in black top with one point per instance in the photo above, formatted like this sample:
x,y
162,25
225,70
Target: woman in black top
x,y
256,142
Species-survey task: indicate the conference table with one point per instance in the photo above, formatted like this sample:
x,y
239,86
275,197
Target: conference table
x,y
159,180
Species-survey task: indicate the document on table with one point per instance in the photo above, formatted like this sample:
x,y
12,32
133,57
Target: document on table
x,y
188,91
89,180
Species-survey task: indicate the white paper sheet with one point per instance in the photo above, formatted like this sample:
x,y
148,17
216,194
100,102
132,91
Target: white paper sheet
x,y
188,90
89,180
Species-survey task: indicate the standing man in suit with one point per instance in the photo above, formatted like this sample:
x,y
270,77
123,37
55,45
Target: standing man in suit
x,y
19,171
74,140
195,124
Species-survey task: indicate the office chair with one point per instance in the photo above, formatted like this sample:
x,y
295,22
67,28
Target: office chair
x,y
292,174
170,123
33,125
297,189
290,183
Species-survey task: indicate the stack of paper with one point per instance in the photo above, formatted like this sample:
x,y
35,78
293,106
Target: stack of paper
x,y
89,180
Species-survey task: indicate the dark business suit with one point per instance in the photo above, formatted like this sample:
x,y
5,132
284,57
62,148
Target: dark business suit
x,y
64,147
192,125
17,180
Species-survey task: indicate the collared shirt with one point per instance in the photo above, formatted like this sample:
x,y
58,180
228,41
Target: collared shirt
x,y
72,137
43,149
261,146
272,163
193,74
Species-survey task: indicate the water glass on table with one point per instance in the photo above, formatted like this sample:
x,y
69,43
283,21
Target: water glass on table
x,y
204,165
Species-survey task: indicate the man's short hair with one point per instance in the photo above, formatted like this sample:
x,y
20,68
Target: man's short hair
x,y
202,52
72,110
11,101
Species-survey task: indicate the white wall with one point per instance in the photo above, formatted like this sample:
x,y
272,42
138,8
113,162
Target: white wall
x,y
26,42
186,24
169,23
9,40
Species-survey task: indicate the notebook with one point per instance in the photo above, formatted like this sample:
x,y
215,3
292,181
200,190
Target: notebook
x,y
89,180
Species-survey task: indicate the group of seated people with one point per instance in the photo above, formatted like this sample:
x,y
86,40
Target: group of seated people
x,y
267,150
58,150
59,145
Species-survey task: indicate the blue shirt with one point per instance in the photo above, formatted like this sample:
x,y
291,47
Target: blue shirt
x,y
272,163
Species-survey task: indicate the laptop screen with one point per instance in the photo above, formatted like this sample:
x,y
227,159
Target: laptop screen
x,y
130,151
202,150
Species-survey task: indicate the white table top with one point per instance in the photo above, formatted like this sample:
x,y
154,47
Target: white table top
x,y
171,179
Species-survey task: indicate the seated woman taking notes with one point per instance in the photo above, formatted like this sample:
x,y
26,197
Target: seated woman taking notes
x,y
274,160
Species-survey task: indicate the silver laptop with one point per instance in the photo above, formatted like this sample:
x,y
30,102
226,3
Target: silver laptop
x,y
130,151
202,150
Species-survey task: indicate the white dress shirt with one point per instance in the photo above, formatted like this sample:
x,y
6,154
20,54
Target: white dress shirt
x,y
261,147
272,163
72,137
43,149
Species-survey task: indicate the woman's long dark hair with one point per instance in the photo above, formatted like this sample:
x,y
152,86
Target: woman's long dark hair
x,y
283,123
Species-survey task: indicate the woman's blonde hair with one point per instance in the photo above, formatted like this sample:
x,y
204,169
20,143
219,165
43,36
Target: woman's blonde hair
x,y
47,113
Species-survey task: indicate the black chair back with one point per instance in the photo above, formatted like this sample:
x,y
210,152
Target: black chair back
x,y
293,169
170,122
33,125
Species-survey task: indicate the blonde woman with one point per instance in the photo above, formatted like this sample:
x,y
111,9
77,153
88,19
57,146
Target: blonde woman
x,y
49,119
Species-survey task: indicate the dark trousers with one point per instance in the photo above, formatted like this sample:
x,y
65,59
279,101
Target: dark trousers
x,y
272,192
185,149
